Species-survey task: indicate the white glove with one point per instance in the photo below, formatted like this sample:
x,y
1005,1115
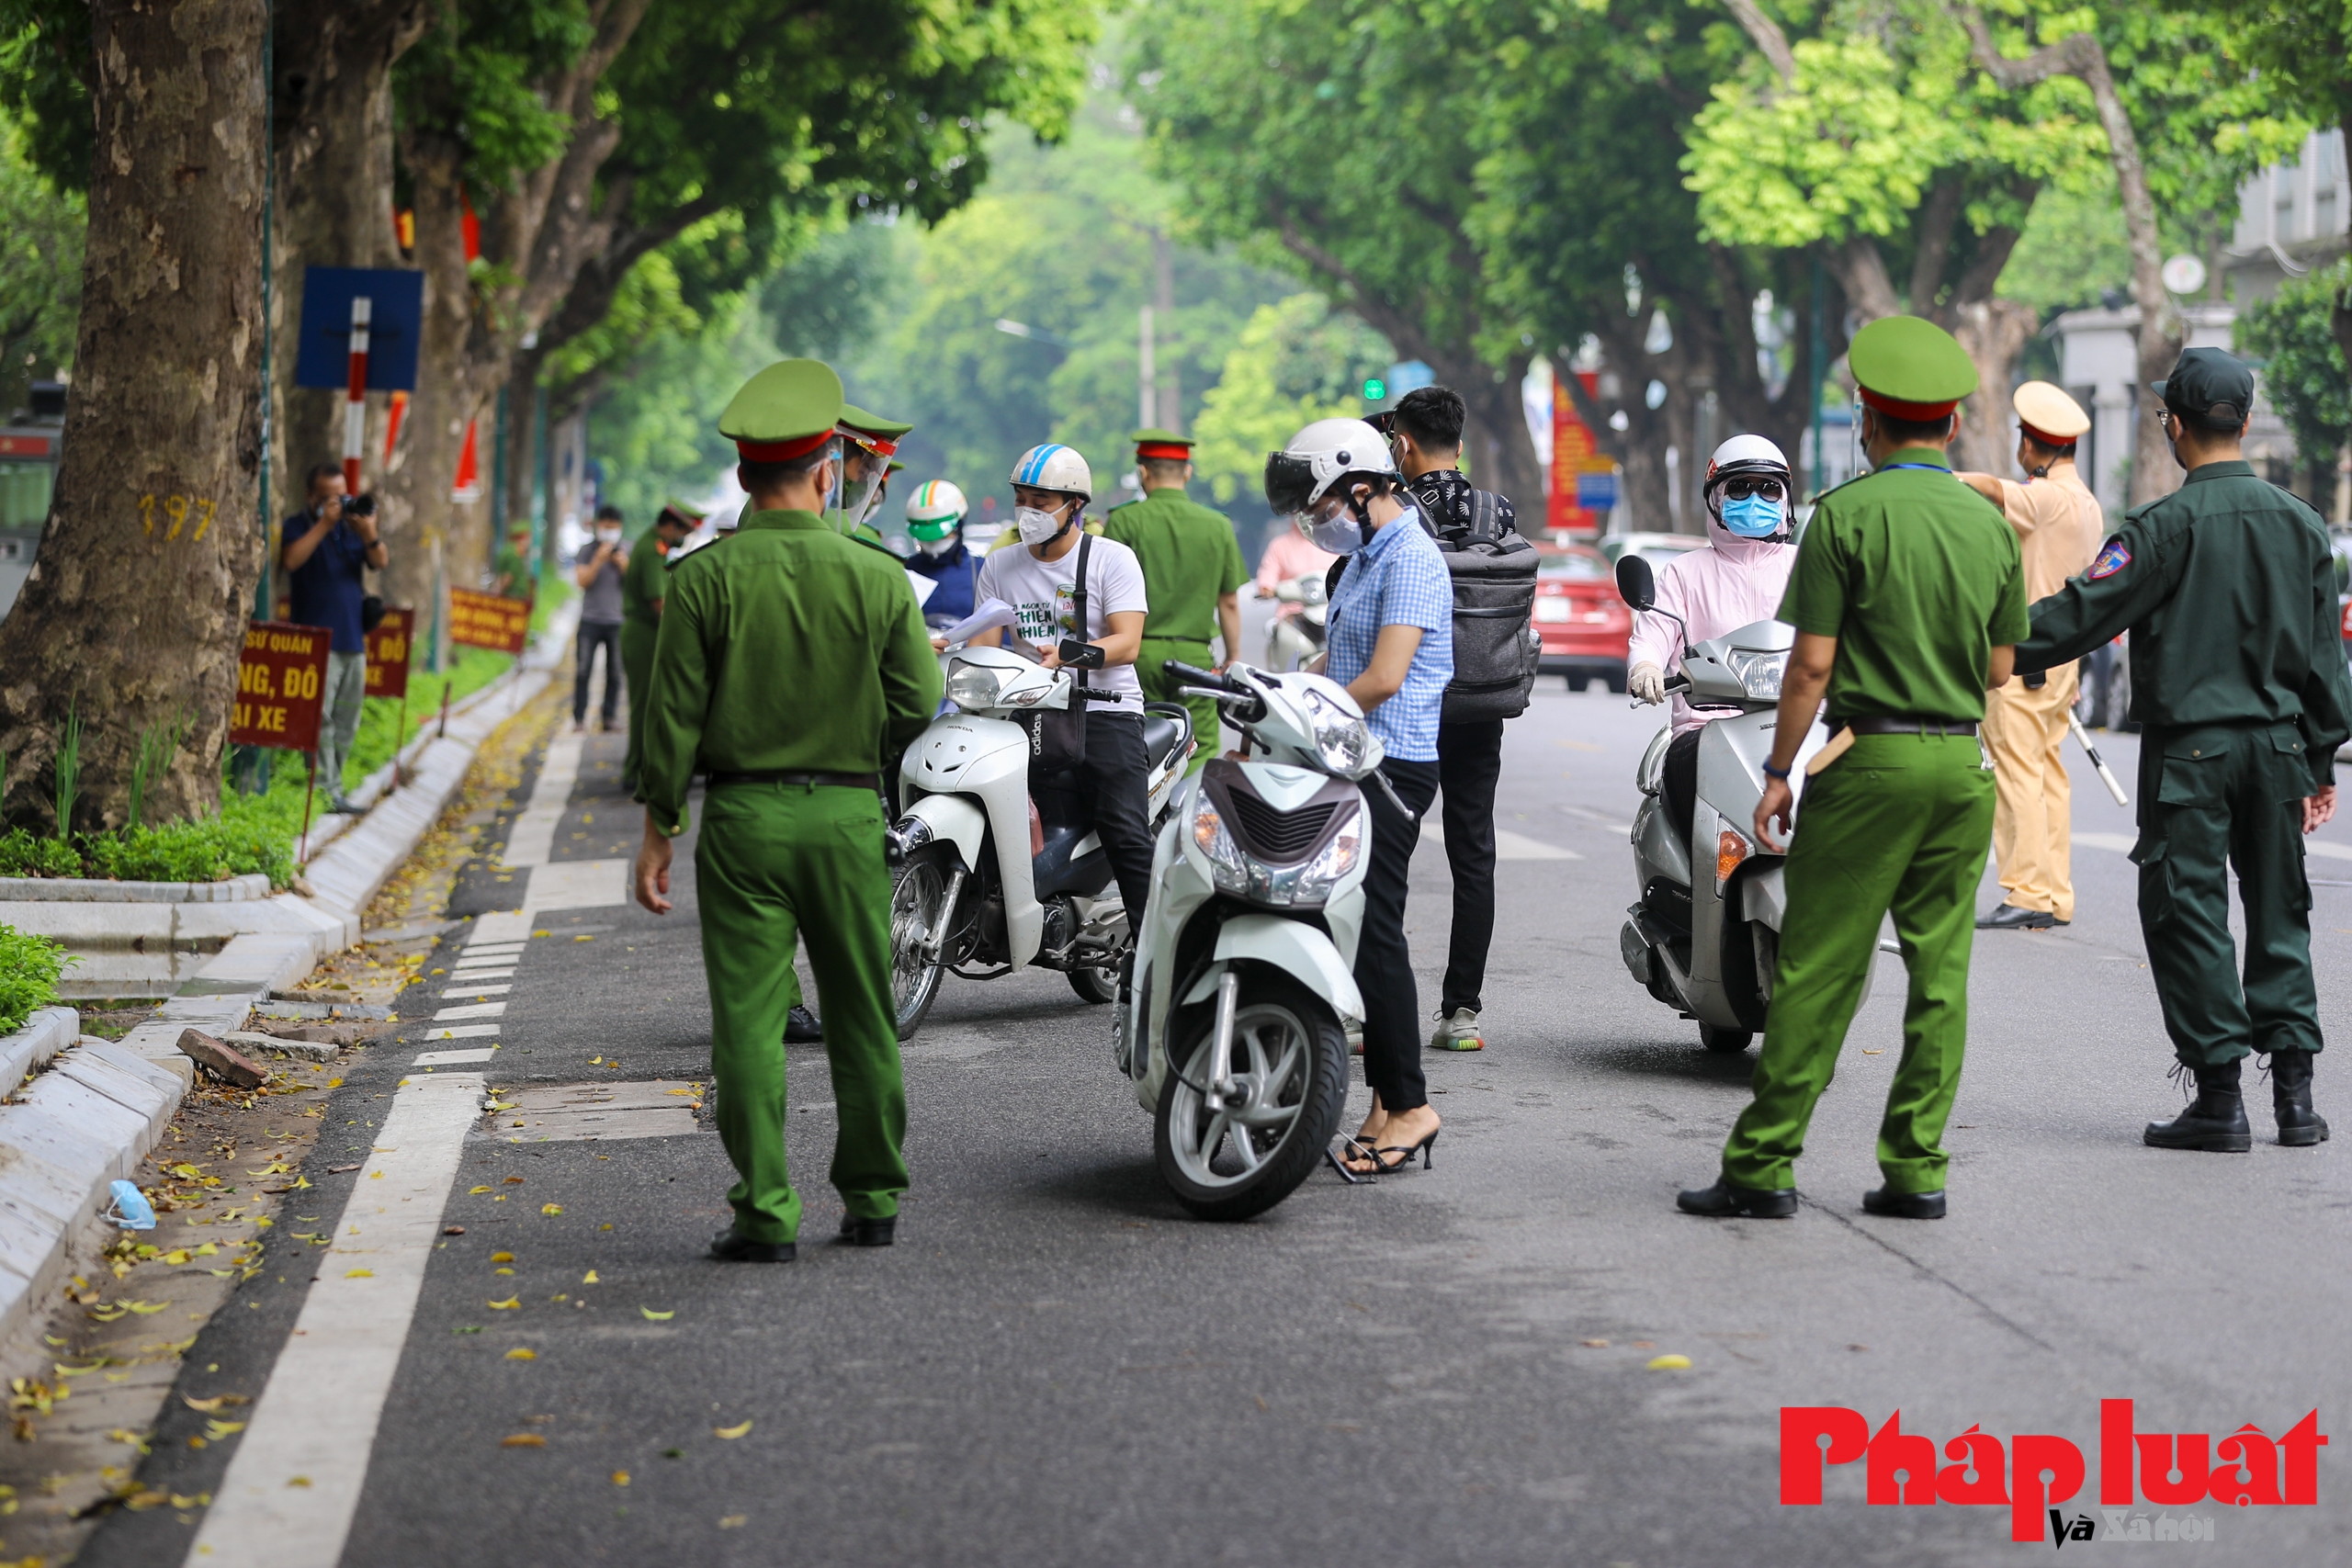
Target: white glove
x,y
1648,682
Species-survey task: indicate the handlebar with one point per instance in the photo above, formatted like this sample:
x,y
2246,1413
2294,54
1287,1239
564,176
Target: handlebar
x,y
1093,693
1248,707
1193,675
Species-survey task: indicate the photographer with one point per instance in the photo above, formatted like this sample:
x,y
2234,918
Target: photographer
x,y
599,569
327,546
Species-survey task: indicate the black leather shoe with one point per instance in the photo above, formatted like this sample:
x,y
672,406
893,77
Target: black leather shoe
x,y
1904,1205
801,1028
2214,1122
729,1247
2010,918
869,1233
1724,1201
2291,1096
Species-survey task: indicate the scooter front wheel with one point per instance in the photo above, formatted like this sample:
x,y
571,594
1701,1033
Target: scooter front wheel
x,y
1289,1072
918,892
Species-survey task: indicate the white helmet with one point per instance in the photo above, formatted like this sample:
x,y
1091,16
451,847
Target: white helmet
x,y
934,510
1755,458
1317,457
1055,467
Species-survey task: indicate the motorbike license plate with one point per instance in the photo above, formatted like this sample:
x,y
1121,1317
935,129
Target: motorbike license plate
x,y
1554,610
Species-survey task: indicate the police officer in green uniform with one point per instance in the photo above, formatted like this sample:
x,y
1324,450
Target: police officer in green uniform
x,y
2238,681
870,439
1191,573
641,588
792,829
1907,595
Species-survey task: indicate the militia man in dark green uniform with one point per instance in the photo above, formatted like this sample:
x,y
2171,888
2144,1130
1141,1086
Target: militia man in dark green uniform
x,y
1907,596
792,829
641,588
2238,681
1192,572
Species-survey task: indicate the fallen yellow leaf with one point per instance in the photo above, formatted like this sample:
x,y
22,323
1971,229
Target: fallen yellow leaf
x,y
1669,1363
177,1255
216,1430
297,1481
523,1440
734,1521
652,1316
511,1304
331,1083
588,1278
550,1208
620,1477
520,1354
500,1257
471,1190
731,1431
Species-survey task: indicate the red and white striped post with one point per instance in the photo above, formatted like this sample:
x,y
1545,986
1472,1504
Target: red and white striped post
x,y
354,407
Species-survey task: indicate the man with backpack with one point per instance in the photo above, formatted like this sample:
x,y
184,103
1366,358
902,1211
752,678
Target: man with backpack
x,y
1495,652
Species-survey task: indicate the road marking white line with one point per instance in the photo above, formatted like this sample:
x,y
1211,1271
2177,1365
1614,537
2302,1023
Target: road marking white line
x,y
473,1009
578,884
2321,848
531,842
458,987
1507,844
453,1058
466,1032
505,974
492,952
318,1413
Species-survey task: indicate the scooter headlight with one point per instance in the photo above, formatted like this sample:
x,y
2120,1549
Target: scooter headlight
x,y
1332,861
971,685
1342,737
1228,868
1758,671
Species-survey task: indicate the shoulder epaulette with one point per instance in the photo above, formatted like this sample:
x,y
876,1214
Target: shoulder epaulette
x,y
1131,501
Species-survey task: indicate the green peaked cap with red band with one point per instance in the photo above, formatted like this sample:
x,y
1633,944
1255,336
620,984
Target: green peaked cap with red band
x,y
872,430
787,410
1910,369
1163,444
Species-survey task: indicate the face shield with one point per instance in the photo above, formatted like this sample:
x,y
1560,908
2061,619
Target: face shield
x,y
859,491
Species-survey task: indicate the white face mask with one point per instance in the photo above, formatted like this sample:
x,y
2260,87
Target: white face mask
x,y
936,546
1038,527
1338,533
608,536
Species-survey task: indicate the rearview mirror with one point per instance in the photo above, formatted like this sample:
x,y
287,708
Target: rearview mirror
x,y
1634,583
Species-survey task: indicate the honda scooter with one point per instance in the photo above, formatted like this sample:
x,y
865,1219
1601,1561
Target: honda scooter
x,y
1234,1025
991,878
1294,638
1706,934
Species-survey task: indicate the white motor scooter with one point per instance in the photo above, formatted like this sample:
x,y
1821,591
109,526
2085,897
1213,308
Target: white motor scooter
x,y
1293,639
1233,1028
1706,934
990,874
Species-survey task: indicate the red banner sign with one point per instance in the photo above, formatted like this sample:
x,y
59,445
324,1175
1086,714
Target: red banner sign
x,y
1574,453
388,654
485,620
24,447
281,686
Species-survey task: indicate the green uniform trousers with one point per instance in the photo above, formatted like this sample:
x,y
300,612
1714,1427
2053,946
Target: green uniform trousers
x,y
775,861
637,639
1900,824
1161,687
2210,798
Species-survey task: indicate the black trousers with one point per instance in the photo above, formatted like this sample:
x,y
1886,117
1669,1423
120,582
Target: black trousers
x,y
1113,778
1469,761
1392,1007
1681,780
593,635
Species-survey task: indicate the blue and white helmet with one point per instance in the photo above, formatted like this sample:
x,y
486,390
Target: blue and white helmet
x,y
1055,467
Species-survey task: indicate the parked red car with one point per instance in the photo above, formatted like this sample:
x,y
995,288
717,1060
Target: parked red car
x,y
1584,625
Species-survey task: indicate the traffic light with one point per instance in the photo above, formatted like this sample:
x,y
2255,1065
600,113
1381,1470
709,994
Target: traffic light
x,y
1374,389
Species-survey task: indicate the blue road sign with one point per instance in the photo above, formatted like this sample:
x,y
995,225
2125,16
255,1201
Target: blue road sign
x,y
396,322
1597,491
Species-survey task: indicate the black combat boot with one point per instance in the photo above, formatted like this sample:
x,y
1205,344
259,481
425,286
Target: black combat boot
x,y
2213,1122
2290,1097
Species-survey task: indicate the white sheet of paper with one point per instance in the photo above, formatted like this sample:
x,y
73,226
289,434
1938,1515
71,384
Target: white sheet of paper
x,y
991,614
925,587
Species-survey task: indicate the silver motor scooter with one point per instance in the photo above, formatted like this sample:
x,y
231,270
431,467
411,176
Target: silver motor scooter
x,y
1706,933
1234,1029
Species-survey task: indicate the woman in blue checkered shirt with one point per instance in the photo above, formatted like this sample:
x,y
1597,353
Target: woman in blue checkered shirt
x,y
1391,643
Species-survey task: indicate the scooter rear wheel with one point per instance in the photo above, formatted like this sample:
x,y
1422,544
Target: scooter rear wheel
x,y
1290,1064
1726,1042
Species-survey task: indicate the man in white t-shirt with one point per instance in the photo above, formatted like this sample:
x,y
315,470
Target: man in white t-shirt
x,y
1051,486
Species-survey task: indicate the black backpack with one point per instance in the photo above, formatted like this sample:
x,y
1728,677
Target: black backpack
x,y
1493,566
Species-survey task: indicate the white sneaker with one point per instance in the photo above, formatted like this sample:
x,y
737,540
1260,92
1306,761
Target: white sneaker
x,y
1458,1033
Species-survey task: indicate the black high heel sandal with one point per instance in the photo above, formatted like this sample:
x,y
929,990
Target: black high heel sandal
x,y
1381,1165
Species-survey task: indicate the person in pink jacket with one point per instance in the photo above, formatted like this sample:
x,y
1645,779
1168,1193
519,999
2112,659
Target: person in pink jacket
x,y
1740,578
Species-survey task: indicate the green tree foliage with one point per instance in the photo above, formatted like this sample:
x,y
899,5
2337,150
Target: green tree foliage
x,y
1340,141
2304,378
1294,361
41,272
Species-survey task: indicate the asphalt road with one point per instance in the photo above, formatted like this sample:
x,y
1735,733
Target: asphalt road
x,y
1054,1365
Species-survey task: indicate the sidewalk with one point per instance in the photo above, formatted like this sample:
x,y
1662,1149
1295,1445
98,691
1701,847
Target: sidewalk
x,y
101,1105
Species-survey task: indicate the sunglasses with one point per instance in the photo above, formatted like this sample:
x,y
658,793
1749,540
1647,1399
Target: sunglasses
x,y
1741,488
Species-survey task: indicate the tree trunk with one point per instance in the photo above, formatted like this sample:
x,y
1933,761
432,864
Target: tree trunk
x,y
522,450
134,615
1994,332
1495,442
1645,499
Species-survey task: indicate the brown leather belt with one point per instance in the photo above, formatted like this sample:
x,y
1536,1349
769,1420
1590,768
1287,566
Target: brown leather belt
x,y
1882,724
837,781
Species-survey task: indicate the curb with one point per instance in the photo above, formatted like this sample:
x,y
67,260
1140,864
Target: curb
x,y
96,1111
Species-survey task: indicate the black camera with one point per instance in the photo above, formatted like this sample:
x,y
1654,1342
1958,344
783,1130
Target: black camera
x,y
360,505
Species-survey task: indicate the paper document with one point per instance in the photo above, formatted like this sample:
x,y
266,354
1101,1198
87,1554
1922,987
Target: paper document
x,y
991,613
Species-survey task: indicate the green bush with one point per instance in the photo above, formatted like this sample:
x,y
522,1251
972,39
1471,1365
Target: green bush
x,y
21,854
29,967
192,851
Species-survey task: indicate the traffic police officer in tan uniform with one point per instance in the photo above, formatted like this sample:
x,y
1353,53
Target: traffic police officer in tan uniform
x,y
1906,595
2059,526
2238,681
792,829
